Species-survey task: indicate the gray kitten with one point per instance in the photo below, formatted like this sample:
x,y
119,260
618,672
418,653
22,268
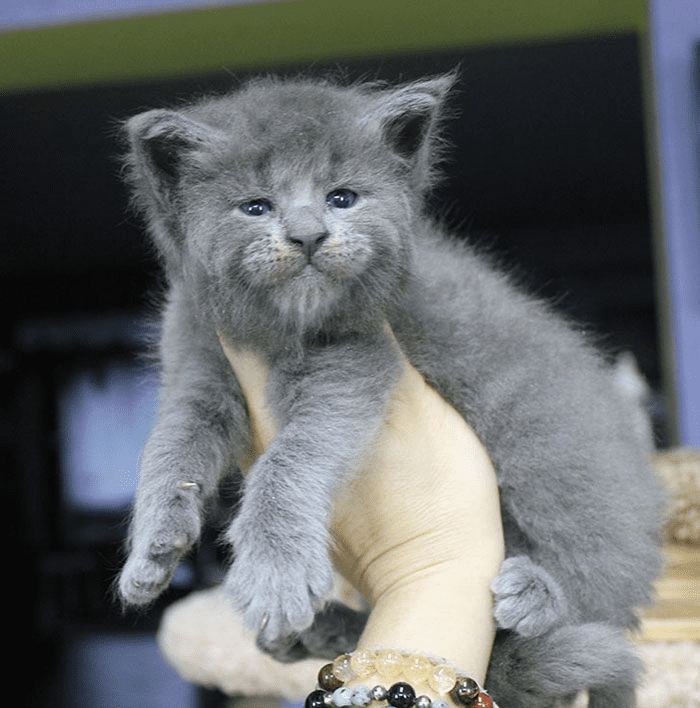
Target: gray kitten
x,y
289,217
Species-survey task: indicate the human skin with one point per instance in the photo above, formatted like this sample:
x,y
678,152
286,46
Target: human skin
x,y
416,529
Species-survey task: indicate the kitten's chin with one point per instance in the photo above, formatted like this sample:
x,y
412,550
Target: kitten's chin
x,y
307,299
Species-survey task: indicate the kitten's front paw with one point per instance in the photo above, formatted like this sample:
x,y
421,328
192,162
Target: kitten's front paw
x,y
279,589
526,598
158,544
146,575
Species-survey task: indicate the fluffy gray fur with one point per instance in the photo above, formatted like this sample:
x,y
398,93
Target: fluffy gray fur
x,y
307,279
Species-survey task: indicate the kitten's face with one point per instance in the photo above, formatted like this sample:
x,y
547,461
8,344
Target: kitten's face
x,y
287,203
305,224
306,247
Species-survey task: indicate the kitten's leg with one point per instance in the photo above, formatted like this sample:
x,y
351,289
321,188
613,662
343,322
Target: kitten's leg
x,y
202,422
622,695
527,599
545,670
331,406
336,629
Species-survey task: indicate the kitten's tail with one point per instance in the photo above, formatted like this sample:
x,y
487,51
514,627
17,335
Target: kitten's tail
x,y
538,671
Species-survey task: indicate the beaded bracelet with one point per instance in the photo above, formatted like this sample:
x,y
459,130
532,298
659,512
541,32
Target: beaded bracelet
x,y
388,663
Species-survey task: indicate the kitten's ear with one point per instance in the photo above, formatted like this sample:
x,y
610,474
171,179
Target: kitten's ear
x,y
163,144
408,117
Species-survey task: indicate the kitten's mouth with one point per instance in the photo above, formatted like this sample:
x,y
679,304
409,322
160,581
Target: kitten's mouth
x,y
306,277
309,270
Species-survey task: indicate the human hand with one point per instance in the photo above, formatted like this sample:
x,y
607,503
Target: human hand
x,y
417,530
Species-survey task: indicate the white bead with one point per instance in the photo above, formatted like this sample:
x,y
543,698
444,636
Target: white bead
x,y
439,704
342,697
361,696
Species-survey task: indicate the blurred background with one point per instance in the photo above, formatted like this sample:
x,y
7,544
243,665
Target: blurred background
x,y
574,161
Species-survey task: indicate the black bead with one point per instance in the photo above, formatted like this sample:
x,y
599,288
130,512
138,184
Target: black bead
x,y
315,699
465,691
401,695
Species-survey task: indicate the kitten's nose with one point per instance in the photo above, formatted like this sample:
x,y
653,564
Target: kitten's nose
x,y
309,243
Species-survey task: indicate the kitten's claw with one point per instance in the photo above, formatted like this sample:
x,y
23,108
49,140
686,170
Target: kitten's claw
x,y
189,485
526,598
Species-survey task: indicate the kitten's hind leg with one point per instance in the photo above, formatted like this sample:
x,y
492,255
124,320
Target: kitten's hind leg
x,y
336,629
527,599
622,695
532,673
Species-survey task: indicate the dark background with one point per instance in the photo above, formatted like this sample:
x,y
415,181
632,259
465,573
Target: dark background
x,y
547,173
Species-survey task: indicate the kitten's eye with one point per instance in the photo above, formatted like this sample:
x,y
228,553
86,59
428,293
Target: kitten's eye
x,y
341,198
256,207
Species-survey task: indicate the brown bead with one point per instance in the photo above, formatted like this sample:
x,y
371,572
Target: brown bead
x,y
485,701
327,679
465,691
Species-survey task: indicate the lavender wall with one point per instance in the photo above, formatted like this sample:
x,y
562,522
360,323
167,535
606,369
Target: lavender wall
x,y
675,37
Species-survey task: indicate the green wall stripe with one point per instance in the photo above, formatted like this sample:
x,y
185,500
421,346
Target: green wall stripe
x,y
291,31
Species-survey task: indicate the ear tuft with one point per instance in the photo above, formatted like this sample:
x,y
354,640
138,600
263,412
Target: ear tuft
x,y
160,141
408,116
405,133
163,142
162,145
